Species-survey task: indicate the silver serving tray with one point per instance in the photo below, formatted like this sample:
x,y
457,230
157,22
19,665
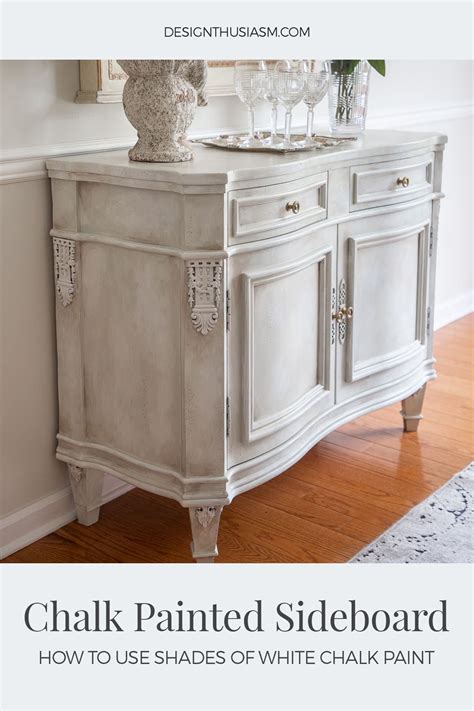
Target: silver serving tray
x,y
234,143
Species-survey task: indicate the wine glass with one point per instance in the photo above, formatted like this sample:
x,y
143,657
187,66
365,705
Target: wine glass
x,y
290,82
270,96
317,82
250,78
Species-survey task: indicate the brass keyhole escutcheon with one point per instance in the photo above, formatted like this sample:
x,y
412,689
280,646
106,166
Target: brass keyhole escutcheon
x,y
293,207
404,182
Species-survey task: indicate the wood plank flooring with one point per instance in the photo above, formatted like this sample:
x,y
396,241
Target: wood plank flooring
x,y
346,491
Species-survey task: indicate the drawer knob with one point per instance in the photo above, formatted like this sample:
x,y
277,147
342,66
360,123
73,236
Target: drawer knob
x,y
404,182
293,207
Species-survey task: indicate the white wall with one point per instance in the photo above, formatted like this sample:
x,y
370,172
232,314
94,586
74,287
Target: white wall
x,y
39,118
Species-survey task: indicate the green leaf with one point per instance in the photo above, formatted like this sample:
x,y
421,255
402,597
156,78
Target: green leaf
x,y
378,65
344,66
347,66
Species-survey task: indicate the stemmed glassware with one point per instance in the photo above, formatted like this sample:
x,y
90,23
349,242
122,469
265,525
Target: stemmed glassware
x,y
270,95
290,83
250,81
285,82
317,81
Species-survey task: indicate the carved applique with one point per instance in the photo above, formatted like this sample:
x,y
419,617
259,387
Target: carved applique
x,y
65,269
204,293
342,303
205,514
333,324
75,472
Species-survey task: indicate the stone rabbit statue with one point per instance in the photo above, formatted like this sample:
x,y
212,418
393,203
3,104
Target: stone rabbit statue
x,y
159,99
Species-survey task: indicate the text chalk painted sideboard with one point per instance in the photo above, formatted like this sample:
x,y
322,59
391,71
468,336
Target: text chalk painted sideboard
x,y
216,318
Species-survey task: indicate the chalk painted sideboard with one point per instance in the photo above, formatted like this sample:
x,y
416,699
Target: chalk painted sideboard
x,y
216,318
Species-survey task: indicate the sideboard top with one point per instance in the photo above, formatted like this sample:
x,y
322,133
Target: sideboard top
x,y
221,168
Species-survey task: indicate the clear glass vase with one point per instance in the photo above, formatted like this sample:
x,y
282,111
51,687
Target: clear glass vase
x,y
348,97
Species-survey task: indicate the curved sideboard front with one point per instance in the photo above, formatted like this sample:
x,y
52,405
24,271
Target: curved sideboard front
x,y
217,318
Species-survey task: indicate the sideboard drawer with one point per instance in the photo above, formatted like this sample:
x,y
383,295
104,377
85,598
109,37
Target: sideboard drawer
x,y
260,213
392,182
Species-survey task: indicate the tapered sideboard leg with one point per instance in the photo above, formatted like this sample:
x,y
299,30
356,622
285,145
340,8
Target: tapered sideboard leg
x,y
205,528
86,485
411,410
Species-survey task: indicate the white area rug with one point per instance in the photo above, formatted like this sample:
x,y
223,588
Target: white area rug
x,y
439,530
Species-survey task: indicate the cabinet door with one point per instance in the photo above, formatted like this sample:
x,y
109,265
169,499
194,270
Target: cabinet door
x,y
281,358
383,285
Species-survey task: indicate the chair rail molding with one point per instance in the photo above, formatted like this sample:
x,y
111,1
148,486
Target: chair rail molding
x,y
28,163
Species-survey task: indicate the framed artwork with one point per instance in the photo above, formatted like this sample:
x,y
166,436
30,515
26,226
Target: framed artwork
x,y
102,80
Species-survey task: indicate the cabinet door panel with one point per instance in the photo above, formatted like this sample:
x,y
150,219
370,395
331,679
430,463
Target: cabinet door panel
x,y
280,341
385,266
285,340
389,322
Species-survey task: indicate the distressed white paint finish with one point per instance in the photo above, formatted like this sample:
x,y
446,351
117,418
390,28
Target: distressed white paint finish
x,y
393,182
411,410
204,292
285,347
385,262
215,336
86,485
205,528
258,213
65,269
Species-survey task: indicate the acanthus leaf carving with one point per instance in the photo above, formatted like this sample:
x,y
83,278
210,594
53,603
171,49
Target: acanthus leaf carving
x,y
205,514
75,472
65,269
204,292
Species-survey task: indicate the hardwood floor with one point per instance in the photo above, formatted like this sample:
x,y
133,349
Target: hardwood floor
x,y
346,491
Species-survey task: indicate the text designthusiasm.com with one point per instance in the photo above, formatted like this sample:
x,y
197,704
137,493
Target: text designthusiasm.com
x,y
249,32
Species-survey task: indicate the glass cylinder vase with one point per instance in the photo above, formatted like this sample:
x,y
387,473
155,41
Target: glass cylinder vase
x,y
348,96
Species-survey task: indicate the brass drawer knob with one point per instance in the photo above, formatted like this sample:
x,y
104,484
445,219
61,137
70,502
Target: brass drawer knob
x,y
293,207
404,182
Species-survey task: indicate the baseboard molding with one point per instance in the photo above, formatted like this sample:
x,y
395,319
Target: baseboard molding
x,y
449,311
24,164
46,515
